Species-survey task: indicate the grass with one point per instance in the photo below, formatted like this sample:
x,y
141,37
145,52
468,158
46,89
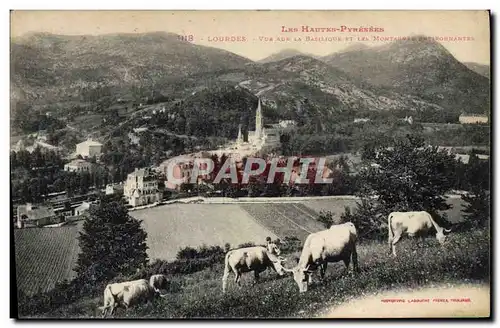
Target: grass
x,y
44,256
465,259
274,220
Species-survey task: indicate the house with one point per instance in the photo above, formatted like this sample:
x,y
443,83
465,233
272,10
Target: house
x,y
89,148
287,123
82,209
472,118
45,147
31,215
78,165
141,187
361,120
112,189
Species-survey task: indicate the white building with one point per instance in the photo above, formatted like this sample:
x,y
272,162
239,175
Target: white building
x,y
141,188
78,165
89,148
82,209
473,118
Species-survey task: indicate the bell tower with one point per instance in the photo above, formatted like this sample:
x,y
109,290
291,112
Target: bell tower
x,y
258,122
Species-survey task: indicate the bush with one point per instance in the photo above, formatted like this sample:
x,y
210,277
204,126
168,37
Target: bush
x,y
326,217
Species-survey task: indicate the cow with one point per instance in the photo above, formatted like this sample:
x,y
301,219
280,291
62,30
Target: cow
x,y
272,248
332,245
255,258
158,282
126,293
413,224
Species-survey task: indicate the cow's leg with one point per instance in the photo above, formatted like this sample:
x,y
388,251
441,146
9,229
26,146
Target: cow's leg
x,y
354,256
396,238
237,279
347,261
256,275
224,278
322,270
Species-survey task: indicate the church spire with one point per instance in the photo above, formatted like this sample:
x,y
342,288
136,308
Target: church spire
x,y
240,136
258,122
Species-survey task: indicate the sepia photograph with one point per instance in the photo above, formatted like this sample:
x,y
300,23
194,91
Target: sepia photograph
x,y
250,164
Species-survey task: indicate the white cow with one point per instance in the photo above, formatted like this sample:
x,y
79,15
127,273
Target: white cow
x,y
126,293
272,248
335,244
413,224
256,259
158,282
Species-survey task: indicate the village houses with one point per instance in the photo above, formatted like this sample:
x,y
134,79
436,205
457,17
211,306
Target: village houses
x,y
141,188
89,148
78,165
31,215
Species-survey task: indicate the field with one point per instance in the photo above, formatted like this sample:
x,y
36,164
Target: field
x,y
464,260
44,256
173,227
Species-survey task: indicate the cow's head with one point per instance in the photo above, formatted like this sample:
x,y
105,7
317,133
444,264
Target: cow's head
x,y
441,235
278,265
301,276
273,248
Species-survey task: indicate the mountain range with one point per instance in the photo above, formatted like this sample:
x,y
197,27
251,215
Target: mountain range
x,y
66,73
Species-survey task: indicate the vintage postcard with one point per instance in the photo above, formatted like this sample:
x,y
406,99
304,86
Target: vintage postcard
x,y
250,164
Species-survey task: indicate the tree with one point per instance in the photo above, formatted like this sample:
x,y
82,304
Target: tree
x,y
326,218
112,243
477,183
406,177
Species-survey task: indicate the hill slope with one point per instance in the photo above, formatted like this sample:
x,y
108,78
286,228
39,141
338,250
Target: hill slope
x,y
283,54
57,67
481,69
423,68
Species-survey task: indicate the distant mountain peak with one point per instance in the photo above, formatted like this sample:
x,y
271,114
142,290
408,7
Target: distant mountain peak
x,y
358,46
283,54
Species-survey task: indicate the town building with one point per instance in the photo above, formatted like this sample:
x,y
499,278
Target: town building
x,y
472,118
141,187
89,148
78,165
83,209
361,120
31,215
112,189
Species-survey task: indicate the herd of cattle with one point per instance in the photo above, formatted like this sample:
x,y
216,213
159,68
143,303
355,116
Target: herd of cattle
x,y
338,243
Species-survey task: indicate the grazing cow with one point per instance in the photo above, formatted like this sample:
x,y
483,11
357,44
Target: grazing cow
x,y
127,293
335,244
256,259
272,248
412,223
158,282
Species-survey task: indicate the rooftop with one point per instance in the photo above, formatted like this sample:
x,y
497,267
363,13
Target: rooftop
x,y
90,142
146,172
78,162
37,212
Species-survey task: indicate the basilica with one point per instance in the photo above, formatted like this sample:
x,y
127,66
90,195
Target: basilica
x,y
261,136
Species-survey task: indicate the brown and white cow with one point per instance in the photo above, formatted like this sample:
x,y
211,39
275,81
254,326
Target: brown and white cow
x,y
247,259
413,224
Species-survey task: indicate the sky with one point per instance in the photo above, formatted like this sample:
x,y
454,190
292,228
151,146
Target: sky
x,y
250,32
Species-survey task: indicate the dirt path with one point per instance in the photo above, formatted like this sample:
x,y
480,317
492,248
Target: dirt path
x,y
442,301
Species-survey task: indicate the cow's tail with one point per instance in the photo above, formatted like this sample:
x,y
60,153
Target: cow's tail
x,y
227,270
389,228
